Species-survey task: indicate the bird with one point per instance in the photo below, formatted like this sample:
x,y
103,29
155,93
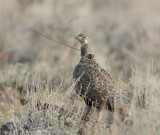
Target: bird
x,y
94,84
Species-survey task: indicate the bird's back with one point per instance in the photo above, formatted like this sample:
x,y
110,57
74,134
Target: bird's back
x,y
94,84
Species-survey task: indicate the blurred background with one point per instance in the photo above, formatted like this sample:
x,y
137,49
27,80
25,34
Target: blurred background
x,y
124,34
125,38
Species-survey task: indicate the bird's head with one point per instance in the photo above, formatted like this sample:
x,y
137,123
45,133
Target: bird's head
x,y
83,39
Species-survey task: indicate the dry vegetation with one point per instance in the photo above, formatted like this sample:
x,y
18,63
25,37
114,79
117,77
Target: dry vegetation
x,y
35,72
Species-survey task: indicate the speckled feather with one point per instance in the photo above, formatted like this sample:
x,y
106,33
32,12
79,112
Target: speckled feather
x,y
95,84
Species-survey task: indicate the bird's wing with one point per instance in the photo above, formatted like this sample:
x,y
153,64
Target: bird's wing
x,y
101,81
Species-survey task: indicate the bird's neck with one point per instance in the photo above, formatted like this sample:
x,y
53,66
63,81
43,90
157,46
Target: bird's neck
x,y
85,49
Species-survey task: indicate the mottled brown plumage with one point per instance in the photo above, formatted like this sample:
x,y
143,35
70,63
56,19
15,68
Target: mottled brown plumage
x,y
93,83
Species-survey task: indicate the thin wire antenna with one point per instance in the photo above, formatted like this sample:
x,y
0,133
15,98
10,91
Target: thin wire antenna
x,y
51,39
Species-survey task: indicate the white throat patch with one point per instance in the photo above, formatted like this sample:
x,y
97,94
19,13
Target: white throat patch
x,y
86,41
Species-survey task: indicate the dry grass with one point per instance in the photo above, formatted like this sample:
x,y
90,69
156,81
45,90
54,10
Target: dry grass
x,y
125,38
54,111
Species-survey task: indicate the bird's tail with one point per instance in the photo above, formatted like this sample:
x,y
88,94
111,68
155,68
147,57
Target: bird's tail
x,y
116,107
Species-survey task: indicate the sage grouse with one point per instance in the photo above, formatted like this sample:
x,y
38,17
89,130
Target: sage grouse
x,y
94,84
